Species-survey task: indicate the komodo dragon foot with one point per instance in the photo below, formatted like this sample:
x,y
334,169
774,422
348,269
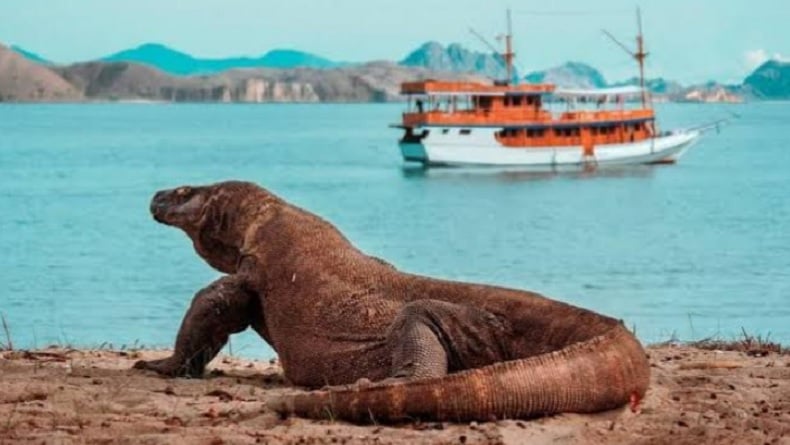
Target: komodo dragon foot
x,y
220,309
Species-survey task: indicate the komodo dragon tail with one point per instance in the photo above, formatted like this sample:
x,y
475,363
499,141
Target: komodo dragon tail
x,y
601,373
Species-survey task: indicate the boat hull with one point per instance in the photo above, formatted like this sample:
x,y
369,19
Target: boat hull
x,y
449,147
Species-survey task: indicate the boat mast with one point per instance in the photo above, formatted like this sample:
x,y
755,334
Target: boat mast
x,y
509,54
640,54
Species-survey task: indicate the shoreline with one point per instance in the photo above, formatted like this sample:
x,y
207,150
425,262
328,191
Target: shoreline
x,y
326,102
81,395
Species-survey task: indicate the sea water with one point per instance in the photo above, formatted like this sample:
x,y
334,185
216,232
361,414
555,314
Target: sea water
x,y
687,251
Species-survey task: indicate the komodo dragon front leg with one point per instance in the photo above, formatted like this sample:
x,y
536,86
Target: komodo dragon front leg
x,y
222,308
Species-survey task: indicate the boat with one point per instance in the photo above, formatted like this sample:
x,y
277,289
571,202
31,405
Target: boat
x,y
535,126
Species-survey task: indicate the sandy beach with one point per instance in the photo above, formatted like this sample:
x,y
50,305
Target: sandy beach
x,y
91,396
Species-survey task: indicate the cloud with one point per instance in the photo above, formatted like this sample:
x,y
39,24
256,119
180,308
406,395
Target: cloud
x,y
756,57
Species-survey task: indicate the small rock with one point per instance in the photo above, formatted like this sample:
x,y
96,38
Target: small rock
x,y
224,396
174,421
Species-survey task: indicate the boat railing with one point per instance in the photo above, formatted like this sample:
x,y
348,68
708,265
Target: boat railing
x,y
516,117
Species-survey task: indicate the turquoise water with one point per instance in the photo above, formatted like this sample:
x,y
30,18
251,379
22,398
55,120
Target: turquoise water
x,y
696,249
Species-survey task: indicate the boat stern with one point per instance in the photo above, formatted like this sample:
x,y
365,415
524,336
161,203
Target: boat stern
x,y
413,152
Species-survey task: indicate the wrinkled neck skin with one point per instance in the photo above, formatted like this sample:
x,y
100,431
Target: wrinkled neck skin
x,y
286,241
224,227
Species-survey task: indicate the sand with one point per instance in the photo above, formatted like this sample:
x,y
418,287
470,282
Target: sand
x,y
64,396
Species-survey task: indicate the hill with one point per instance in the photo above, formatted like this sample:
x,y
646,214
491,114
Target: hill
x,y
22,80
371,82
179,63
657,85
771,80
455,58
29,55
569,75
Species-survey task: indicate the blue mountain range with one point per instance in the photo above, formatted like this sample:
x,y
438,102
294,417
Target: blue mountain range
x,y
182,64
30,55
769,81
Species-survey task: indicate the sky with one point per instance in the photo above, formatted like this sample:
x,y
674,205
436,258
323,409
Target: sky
x,y
688,40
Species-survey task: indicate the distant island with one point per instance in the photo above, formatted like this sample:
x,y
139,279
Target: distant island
x,y
154,72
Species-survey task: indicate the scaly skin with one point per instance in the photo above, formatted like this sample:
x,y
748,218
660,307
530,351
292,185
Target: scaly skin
x,y
432,349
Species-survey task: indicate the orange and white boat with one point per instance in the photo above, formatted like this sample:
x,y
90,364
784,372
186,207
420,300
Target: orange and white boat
x,y
535,126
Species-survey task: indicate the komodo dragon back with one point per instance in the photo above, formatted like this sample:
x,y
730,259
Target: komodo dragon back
x,y
601,373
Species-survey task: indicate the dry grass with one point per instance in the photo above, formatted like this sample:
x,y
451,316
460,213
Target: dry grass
x,y
752,345
9,346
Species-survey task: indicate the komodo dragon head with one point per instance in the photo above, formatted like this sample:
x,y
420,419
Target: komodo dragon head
x,y
214,216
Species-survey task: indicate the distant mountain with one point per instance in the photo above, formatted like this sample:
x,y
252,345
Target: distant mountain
x,y
770,80
657,85
288,58
179,63
22,80
455,58
156,72
30,55
371,82
569,75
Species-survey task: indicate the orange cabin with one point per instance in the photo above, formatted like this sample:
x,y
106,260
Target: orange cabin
x,y
521,114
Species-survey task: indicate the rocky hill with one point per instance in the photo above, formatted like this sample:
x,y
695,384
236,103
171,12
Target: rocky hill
x,y
455,58
569,75
179,63
23,81
770,81
29,55
657,85
372,82
158,73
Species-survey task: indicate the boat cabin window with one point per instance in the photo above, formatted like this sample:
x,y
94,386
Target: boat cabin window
x,y
465,132
567,132
535,132
509,132
520,100
445,130
483,102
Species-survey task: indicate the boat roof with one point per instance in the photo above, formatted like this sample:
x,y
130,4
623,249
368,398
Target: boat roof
x,y
432,87
629,90
450,88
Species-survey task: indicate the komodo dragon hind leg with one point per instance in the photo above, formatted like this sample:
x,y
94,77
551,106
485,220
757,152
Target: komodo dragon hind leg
x,y
218,310
430,338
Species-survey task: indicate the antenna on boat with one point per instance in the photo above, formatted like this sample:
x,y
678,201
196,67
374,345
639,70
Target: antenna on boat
x,y
639,54
508,55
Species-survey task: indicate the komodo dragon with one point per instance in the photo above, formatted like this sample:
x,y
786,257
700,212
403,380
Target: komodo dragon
x,y
400,346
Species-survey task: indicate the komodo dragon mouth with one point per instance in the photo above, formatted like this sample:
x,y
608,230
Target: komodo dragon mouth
x,y
426,348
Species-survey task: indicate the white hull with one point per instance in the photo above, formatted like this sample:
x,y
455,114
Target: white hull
x,y
480,148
